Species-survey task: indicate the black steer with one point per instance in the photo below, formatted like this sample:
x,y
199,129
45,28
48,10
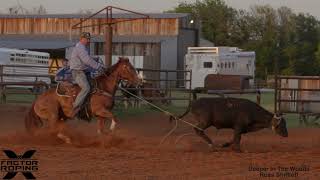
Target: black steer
x,y
239,114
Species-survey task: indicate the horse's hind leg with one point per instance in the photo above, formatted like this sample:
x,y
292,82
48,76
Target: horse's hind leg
x,y
101,121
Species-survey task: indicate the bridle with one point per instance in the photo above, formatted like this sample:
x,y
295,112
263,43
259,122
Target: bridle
x,y
118,78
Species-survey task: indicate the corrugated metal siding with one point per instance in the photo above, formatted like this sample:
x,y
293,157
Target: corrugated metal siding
x,y
26,71
187,38
301,95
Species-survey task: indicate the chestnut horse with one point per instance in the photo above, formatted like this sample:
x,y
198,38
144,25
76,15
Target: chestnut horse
x,y
54,108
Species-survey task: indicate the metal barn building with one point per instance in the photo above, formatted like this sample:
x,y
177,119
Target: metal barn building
x,y
161,40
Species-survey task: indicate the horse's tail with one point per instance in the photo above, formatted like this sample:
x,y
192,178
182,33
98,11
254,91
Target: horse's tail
x,y
32,120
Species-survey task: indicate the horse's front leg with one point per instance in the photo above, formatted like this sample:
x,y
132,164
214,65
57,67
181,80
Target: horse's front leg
x,y
101,107
57,126
102,120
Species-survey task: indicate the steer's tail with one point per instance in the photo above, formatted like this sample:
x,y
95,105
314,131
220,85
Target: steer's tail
x,y
185,113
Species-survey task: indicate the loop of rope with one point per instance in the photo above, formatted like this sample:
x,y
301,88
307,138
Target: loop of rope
x,y
169,133
166,113
61,95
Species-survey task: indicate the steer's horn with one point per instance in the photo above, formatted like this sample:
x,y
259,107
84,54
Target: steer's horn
x,y
277,117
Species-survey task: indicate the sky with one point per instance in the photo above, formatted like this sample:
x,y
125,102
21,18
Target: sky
x,y
73,6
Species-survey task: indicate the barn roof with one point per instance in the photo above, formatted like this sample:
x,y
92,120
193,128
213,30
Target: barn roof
x,y
118,15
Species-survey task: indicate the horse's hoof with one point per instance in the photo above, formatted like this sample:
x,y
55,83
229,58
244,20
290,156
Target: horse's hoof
x,y
212,148
64,138
68,141
236,149
113,125
225,145
102,133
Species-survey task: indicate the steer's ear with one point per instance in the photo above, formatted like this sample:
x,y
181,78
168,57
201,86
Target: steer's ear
x,y
277,119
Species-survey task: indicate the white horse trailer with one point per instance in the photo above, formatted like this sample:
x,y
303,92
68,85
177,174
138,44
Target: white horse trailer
x,y
218,60
16,58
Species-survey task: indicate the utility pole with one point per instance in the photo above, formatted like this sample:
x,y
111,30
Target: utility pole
x,y
110,21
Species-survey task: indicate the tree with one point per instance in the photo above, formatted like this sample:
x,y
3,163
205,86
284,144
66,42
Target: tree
x,y
307,40
215,17
184,7
39,10
263,37
274,34
19,9
86,11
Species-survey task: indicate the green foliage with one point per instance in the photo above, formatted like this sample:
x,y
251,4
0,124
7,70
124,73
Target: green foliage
x,y
276,35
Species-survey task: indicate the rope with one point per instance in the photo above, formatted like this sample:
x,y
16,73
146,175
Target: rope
x,y
162,110
165,112
182,136
169,133
61,95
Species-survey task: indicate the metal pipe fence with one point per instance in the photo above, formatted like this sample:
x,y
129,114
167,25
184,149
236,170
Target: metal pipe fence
x,y
165,84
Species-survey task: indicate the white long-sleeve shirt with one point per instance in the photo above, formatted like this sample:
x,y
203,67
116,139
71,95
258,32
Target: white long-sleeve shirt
x,y
80,59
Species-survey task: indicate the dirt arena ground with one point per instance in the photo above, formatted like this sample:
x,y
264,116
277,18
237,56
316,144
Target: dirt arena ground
x,y
133,152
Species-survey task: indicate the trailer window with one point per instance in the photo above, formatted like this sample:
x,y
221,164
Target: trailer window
x,y
207,64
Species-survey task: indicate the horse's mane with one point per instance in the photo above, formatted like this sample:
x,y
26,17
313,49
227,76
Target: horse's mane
x,y
110,69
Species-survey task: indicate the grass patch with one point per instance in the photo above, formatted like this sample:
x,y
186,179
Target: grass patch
x,y
20,98
179,107
176,107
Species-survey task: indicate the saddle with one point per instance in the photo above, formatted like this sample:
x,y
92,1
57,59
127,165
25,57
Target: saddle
x,y
71,90
67,87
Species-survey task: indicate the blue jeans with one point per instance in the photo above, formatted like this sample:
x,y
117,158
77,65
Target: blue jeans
x,y
81,79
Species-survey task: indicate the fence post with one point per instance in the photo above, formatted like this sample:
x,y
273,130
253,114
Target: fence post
x,y
1,73
1,86
275,93
259,97
190,88
168,92
139,89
